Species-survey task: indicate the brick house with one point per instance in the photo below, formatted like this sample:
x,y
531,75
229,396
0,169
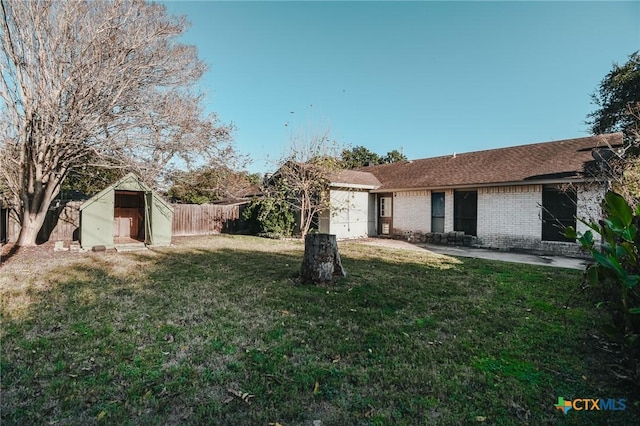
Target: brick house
x,y
509,198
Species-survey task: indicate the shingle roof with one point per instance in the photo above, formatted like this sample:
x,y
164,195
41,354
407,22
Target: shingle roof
x,y
570,158
349,178
336,177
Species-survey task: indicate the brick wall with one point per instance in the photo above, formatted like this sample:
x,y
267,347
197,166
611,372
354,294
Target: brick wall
x,y
448,210
411,211
589,199
510,215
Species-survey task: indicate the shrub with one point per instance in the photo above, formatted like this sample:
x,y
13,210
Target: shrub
x,y
615,271
270,217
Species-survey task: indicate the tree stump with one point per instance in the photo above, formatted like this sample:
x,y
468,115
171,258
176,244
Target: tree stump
x,y
321,263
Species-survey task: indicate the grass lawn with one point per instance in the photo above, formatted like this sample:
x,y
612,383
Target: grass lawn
x,y
408,338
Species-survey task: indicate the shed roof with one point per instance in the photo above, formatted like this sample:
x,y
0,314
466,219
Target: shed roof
x,y
569,159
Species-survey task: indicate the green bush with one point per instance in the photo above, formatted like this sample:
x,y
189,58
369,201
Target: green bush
x,y
270,217
615,272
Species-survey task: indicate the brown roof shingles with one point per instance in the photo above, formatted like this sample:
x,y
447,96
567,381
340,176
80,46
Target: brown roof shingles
x,y
354,177
536,162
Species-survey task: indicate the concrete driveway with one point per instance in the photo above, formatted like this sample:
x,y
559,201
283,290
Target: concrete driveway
x,y
504,256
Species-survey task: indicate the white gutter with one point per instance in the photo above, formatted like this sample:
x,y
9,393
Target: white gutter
x,y
353,185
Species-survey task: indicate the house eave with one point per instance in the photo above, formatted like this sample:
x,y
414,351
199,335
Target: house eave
x,y
488,185
353,186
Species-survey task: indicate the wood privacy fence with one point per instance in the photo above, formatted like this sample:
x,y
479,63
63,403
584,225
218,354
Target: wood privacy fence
x,y
204,219
63,222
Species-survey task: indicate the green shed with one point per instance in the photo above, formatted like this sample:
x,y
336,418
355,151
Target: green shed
x,y
127,212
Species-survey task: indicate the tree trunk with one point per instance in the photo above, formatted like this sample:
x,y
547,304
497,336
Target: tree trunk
x,y
35,205
321,263
30,227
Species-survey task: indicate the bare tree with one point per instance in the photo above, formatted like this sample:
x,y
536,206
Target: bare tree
x,y
303,176
95,83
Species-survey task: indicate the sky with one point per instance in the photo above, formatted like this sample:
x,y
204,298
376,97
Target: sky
x,y
426,78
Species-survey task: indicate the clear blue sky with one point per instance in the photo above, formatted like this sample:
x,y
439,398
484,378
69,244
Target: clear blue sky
x,y
430,78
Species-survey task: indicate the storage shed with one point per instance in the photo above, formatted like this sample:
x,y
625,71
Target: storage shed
x,y
127,212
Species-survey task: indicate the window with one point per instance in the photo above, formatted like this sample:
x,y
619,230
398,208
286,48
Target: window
x,y
465,212
437,212
385,207
559,210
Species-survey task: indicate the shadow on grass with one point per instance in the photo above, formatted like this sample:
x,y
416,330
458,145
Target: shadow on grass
x,y
8,253
161,338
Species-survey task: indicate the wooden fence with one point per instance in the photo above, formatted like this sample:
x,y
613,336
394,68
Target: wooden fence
x,y
204,219
63,222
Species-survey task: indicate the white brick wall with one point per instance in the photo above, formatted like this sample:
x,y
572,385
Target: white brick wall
x,y
509,212
412,211
508,216
518,217
448,210
589,199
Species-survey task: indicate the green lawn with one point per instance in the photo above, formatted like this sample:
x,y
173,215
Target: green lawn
x,y
161,337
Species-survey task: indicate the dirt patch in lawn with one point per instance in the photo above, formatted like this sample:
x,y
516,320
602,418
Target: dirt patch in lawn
x,y
43,252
